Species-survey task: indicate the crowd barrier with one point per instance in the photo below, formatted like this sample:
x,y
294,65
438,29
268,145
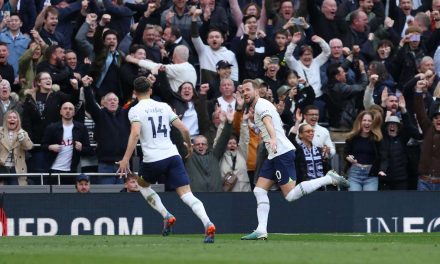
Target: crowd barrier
x,y
129,213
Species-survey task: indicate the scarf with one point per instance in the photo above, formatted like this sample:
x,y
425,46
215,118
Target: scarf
x,y
315,168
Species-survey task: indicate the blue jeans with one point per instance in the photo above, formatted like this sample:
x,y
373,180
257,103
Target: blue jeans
x,y
359,179
9,180
108,168
427,186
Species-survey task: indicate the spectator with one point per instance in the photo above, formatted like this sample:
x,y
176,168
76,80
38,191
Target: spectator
x,y
112,129
15,40
8,102
297,94
344,99
49,18
68,11
310,162
204,165
235,156
258,37
394,163
322,136
41,108
6,69
359,34
27,64
178,72
146,33
324,20
308,67
79,69
130,71
210,54
226,101
65,141
272,66
82,184
285,13
223,72
411,51
385,53
14,143
429,178
55,65
131,183
105,70
336,56
251,8
173,38
250,62
362,151
382,81
190,107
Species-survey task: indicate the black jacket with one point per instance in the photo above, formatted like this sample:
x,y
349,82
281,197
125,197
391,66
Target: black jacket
x,y
111,129
54,135
34,122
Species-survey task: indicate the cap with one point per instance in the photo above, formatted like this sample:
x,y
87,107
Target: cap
x,y
82,177
392,119
260,82
223,64
283,90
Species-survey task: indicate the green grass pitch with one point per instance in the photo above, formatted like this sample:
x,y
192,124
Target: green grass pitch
x,y
280,248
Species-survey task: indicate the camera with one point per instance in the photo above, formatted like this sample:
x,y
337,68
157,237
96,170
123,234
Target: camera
x,y
300,86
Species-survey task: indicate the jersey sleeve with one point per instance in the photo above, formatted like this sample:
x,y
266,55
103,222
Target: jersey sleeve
x,y
133,115
262,109
171,115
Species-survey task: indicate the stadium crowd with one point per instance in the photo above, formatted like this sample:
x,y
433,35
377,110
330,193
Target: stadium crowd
x,y
367,68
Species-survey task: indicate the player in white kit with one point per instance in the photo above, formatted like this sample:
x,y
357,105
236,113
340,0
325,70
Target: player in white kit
x,y
280,164
150,122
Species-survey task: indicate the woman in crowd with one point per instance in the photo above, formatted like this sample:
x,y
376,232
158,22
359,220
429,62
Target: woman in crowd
x,y
234,159
362,151
14,142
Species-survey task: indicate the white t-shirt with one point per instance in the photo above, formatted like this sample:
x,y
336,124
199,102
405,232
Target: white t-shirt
x,y
265,108
191,120
225,106
64,157
155,119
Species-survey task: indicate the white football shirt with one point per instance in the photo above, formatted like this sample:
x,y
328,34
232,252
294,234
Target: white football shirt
x,y
265,108
155,119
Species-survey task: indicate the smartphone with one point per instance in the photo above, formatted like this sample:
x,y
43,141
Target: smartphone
x,y
296,21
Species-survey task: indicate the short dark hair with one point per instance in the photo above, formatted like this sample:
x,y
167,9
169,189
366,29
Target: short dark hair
x,y
332,71
110,32
246,18
136,47
175,31
141,84
310,107
50,50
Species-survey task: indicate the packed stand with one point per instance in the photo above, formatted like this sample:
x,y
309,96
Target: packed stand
x,y
366,69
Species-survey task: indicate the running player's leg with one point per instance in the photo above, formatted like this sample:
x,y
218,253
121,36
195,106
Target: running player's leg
x,y
292,191
150,173
178,178
264,183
